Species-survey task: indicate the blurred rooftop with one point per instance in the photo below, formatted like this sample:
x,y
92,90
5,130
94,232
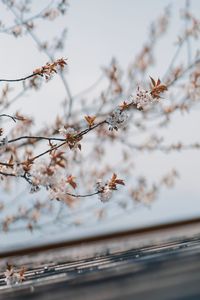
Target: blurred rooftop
x,y
159,262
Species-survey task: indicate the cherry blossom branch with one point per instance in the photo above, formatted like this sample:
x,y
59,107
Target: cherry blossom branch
x,y
19,153
64,141
46,70
24,176
156,89
85,131
39,44
76,137
66,86
48,151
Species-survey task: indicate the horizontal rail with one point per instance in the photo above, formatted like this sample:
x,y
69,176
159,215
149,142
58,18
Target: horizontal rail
x,y
102,237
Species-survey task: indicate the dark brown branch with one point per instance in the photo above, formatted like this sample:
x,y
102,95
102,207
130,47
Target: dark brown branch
x,y
11,117
36,138
7,174
20,79
49,150
79,135
65,141
83,196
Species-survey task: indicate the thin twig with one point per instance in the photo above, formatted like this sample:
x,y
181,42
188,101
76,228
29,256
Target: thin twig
x,y
36,138
82,195
184,72
20,79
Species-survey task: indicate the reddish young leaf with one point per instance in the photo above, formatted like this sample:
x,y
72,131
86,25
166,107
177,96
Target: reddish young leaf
x,y
70,180
90,120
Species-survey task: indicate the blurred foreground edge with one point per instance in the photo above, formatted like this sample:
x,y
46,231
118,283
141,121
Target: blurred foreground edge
x,y
155,262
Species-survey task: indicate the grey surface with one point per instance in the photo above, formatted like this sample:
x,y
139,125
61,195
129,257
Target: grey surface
x,y
168,271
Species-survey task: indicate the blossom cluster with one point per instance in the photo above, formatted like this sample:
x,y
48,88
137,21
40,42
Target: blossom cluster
x,y
105,193
117,119
145,97
67,132
42,174
60,191
105,190
142,98
70,134
50,68
12,277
